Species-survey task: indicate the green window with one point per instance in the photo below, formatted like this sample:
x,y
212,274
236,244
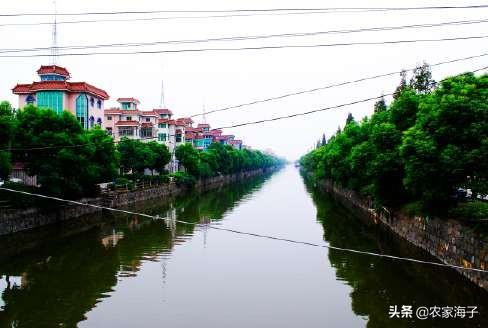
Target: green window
x,y
50,99
82,110
178,138
162,125
161,136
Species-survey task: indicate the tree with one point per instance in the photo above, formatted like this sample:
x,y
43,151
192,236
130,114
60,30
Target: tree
x,y
75,161
324,140
189,158
380,105
6,135
447,148
161,156
349,118
421,80
403,84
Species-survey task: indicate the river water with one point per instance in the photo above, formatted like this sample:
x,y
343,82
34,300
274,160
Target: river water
x,y
126,271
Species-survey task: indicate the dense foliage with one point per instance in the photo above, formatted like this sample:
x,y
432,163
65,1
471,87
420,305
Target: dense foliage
x,y
430,141
222,159
66,159
70,161
136,156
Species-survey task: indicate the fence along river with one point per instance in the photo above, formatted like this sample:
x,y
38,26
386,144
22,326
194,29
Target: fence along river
x,y
119,270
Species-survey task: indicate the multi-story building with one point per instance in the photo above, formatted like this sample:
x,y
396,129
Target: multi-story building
x,y
128,121
53,91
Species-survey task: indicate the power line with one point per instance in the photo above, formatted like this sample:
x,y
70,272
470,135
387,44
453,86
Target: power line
x,y
250,37
304,113
319,109
327,9
254,48
292,241
145,19
280,97
296,93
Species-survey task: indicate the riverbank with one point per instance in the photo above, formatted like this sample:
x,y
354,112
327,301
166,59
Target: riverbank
x,y
448,240
27,219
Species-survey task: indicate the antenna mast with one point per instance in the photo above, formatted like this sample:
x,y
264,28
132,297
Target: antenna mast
x,y
161,100
54,48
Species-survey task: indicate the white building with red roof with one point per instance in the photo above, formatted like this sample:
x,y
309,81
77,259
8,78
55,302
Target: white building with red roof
x,y
53,91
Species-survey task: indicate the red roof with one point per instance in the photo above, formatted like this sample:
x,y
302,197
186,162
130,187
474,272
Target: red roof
x,y
235,142
216,132
162,111
53,69
132,100
60,86
148,113
203,125
186,120
147,124
164,120
127,123
122,111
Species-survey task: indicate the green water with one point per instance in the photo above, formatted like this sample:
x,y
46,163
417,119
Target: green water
x,y
124,271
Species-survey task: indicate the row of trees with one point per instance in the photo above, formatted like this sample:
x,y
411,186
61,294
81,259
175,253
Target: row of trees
x,y
70,161
431,140
222,159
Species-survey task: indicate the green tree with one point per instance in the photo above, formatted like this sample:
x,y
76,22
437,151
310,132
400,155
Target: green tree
x,y
6,135
421,80
447,147
161,156
70,161
189,158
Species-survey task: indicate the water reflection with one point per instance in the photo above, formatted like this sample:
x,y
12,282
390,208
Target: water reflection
x,y
378,283
126,271
57,283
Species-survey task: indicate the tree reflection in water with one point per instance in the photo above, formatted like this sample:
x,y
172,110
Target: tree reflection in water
x,y
378,283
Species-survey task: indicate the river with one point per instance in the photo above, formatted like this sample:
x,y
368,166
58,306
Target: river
x,y
114,270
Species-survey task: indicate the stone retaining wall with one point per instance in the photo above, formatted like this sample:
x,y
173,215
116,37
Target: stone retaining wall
x,y
30,218
448,240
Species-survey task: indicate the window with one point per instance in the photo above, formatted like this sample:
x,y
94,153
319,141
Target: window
x,y
82,110
52,77
51,99
99,121
99,104
30,99
109,118
178,138
125,105
146,132
162,125
92,101
148,119
161,136
126,131
109,131
128,118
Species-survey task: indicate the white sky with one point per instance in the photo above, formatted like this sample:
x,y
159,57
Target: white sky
x,y
220,79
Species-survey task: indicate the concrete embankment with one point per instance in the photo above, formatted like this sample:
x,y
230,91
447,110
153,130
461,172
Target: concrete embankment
x,y
450,241
12,221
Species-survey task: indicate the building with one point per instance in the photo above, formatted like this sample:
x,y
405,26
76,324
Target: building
x,y
158,124
129,121
54,91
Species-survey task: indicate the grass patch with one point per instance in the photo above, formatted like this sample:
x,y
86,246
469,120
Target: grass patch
x,y
471,210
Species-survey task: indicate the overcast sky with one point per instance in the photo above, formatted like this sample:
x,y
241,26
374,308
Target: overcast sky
x,y
219,79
